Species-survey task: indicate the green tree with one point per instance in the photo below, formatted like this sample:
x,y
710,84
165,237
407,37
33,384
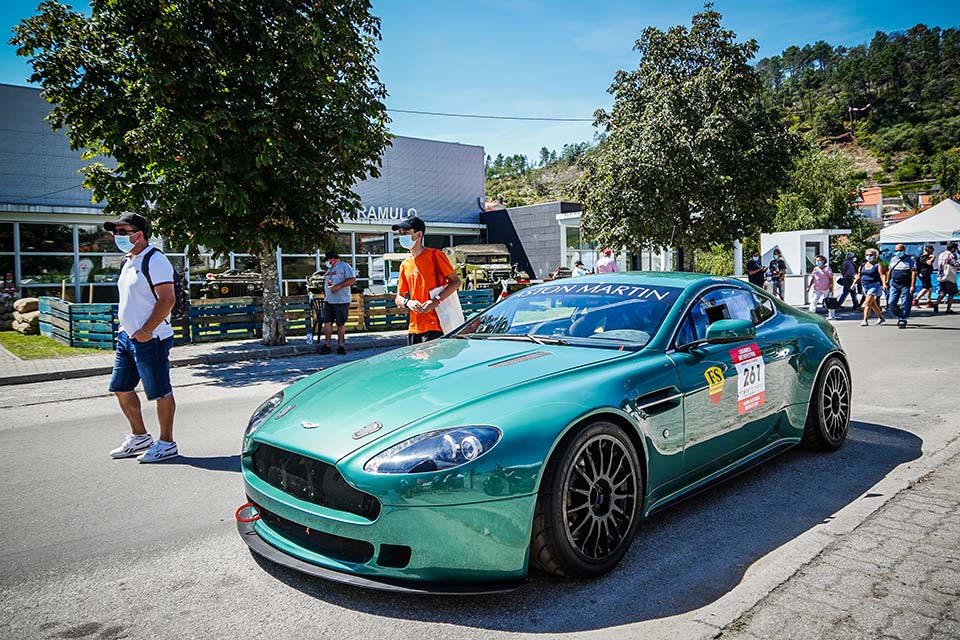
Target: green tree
x,y
820,194
234,125
694,157
946,170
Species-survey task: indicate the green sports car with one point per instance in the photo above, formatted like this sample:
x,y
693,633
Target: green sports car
x,y
540,433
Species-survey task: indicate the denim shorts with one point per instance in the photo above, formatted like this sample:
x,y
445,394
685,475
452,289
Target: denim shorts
x,y
873,289
147,361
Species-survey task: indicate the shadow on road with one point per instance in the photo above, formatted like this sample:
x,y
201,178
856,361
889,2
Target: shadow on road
x,y
210,463
250,372
682,559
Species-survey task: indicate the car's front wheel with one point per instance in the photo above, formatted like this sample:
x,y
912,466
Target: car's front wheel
x,y
589,504
828,416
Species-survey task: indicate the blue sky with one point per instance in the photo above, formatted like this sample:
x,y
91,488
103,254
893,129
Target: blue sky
x,y
553,58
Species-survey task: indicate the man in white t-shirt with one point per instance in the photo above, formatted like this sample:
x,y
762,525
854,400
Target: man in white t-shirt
x,y
147,295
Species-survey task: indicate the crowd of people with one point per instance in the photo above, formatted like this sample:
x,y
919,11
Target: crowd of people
x,y
901,282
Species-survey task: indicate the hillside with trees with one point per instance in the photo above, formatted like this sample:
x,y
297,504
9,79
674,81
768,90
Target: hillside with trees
x,y
892,106
897,96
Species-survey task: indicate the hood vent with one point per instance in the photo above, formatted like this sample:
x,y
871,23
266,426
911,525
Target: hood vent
x,y
518,359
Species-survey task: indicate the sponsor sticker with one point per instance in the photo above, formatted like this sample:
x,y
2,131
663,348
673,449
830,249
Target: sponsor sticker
x,y
635,292
751,383
715,380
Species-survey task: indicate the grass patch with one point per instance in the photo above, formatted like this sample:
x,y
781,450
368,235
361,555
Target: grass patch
x,y
36,347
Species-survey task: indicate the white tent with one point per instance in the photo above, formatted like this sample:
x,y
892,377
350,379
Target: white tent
x,y
940,223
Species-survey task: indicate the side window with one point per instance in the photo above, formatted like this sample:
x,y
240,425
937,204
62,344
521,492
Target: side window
x,y
718,304
764,310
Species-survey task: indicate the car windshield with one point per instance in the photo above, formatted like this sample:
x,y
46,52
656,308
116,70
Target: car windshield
x,y
588,313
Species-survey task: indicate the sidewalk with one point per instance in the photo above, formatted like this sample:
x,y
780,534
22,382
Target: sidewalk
x,y
16,371
895,576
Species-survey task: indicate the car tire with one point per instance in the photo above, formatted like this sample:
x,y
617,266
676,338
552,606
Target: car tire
x,y
828,415
594,484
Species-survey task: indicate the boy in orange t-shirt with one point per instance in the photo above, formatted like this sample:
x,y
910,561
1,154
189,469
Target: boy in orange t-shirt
x,y
424,270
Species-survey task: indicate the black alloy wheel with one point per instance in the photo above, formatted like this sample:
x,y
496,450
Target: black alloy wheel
x,y
589,504
828,417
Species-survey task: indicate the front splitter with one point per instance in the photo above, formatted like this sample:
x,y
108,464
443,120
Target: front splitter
x,y
259,546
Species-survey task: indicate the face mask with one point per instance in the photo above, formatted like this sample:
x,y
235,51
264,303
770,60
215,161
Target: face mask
x,y
869,258
756,257
819,263
407,242
327,264
899,254
123,243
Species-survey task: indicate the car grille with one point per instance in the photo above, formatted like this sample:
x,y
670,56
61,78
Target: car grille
x,y
325,544
312,480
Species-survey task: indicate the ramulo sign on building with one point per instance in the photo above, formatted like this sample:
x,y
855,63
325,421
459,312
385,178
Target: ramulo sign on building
x,y
383,213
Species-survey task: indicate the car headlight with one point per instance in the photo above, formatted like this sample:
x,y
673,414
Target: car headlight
x,y
435,450
263,412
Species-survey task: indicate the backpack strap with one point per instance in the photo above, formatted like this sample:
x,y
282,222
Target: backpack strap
x,y
145,267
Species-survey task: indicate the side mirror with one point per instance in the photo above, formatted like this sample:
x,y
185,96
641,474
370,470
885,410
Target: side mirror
x,y
727,331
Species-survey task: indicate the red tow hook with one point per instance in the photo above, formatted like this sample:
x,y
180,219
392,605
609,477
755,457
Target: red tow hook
x,y
251,506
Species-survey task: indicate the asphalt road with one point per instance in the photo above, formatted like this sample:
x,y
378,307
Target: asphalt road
x,y
96,548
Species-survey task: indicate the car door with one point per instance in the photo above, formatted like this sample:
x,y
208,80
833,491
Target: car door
x,y
726,410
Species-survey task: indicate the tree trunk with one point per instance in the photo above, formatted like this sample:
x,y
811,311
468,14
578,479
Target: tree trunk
x,y
274,331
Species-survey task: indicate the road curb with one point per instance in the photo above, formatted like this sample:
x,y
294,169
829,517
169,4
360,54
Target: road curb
x,y
780,565
262,353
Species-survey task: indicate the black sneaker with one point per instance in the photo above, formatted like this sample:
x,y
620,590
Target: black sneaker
x,y
324,350
341,351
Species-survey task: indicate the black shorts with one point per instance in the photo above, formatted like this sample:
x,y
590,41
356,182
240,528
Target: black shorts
x,y
948,287
336,313
417,338
926,281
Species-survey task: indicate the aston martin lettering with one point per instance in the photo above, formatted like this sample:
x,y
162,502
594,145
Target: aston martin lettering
x,y
620,291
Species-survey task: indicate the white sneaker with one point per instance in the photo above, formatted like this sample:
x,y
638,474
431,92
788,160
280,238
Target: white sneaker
x,y
159,451
132,445
864,324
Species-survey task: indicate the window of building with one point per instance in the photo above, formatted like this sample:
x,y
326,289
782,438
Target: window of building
x,y
46,238
436,241
93,239
6,237
36,270
297,267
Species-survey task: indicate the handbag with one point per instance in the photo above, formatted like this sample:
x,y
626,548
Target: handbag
x,y
449,311
831,302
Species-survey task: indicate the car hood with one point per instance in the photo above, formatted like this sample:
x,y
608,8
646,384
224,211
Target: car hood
x,y
401,386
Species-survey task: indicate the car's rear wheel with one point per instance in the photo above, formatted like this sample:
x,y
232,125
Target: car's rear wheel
x,y
828,417
589,504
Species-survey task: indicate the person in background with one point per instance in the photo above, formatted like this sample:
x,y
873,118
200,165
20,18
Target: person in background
x,y
579,269
778,273
870,277
848,274
144,341
901,280
947,264
425,269
607,263
925,262
821,284
8,290
755,270
336,300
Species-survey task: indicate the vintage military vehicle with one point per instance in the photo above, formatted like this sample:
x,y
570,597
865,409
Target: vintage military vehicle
x,y
232,283
487,266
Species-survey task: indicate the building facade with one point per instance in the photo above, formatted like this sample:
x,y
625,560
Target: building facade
x,y
544,237
52,239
